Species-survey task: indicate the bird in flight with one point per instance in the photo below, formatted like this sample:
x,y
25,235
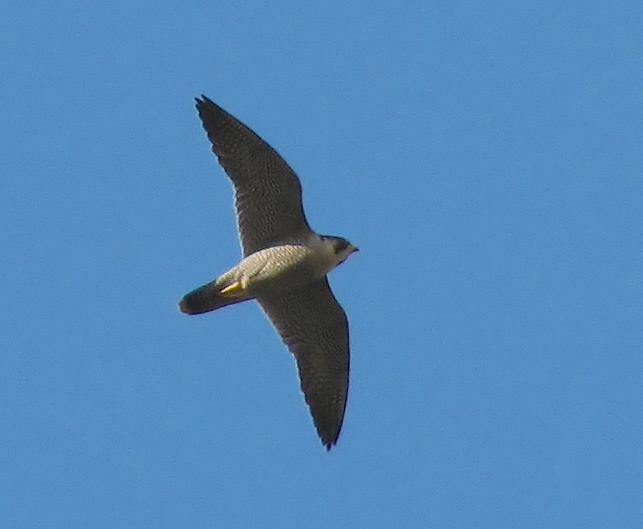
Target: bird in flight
x,y
283,267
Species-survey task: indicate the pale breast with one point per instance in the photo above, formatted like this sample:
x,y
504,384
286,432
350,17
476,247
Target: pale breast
x,y
281,268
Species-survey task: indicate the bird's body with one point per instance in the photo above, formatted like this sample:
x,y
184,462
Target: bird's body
x,y
284,266
276,269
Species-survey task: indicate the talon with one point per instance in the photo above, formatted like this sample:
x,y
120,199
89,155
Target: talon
x,y
232,289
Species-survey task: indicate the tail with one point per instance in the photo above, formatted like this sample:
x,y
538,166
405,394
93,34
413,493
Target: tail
x,y
207,298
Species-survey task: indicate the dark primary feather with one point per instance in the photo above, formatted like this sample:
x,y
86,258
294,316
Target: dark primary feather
x,y
267,190
314,327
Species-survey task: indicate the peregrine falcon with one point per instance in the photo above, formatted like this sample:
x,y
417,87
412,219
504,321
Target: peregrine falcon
x,y
284,266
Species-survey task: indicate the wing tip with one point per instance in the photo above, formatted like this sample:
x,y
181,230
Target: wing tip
x,y
202,99
329,444
330,440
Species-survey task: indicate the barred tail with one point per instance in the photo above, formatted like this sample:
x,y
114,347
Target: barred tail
x,y
206,298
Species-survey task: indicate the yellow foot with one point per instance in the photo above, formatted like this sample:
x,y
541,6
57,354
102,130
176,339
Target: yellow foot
x,y
232,290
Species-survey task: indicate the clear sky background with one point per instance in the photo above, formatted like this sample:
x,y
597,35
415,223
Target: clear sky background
x,y
486,157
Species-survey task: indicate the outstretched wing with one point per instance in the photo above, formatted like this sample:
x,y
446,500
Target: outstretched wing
x,y
314,327
267,191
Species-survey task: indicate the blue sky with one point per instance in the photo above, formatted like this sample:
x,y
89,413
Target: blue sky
x,y
485,157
